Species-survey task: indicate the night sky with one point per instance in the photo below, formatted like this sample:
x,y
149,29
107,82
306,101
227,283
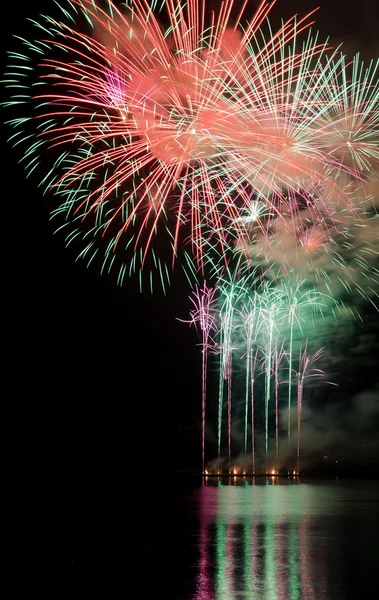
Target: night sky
x,y
104,379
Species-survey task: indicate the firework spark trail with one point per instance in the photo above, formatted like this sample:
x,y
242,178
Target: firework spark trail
x,y
279,354
230,298
203,316
250,330
304,372
235,285
271,313
295,299
253,370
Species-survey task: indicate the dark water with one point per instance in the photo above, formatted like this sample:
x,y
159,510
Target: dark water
x,y
272,540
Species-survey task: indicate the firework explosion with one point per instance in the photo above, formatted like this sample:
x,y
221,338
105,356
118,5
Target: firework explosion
x,y
195,132
246,155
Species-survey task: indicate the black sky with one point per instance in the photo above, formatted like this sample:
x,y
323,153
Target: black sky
x,y
102,378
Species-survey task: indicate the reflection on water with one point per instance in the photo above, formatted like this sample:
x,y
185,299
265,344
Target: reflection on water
x,y
272,541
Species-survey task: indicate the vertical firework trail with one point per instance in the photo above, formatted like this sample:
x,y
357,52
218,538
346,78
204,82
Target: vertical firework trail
x,y
220,396
296,300
279,354
249,328
269,310
304,372
291,324
268,358
253,366
226,355
202,315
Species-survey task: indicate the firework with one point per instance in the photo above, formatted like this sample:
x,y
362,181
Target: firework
x,y
245,155
304,372
202,316
296,300
162,138
270,310
250,325
278,355
234,289
230,298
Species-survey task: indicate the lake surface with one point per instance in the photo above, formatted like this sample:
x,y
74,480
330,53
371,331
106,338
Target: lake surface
x,y
269,539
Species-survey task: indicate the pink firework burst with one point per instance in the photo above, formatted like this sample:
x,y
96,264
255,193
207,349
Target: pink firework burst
x,y
193,117
195,124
